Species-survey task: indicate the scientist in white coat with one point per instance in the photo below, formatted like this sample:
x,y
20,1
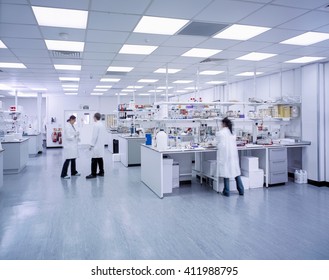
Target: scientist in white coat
x,y
70,151
228,158
97,148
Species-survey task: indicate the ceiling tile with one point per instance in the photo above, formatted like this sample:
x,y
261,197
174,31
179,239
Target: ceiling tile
x,y
17,43
31,59
276,35
54,33
98,55
227,11
184,41
101,47
129,57
177,51
115,6
219,44
183,9
159,58
272,16
101,36
306,51
146,39
14,2
324,29
71,4
279,48
93,62
19,31
115,22
307,4
308,22
19,14
250,46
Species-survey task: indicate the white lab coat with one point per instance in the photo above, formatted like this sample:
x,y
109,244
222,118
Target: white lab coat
x,y
70,142
98,140
227,154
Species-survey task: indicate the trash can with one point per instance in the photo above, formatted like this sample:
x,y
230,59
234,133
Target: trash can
x,y
115,146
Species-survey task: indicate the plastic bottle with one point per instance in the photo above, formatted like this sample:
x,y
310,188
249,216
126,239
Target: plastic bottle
x,y
162,140
296,176
304,176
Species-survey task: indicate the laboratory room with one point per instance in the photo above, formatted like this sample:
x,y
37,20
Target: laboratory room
x,y
164,130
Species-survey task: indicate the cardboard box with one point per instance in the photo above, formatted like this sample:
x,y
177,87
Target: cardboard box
x,y
256,178
249,163
116,157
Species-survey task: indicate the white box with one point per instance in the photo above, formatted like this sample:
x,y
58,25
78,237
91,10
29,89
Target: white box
x,y
175,183
249,163
167,175
256,178
209,167
206,167
116,157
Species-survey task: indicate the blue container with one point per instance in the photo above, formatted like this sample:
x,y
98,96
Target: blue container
x,y
148,139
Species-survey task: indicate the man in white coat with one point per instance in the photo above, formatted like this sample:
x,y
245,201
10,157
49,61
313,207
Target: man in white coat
x,y
97,148
70,151
228,158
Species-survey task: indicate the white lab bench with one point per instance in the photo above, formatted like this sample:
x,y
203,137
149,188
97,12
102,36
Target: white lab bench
x,y
130,150
1,168
35,144
15,156
152,159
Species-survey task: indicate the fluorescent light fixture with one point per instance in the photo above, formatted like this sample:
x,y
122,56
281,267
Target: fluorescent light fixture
x,y
100,89
55,17
204,53
137,49
305,59
12,65
41,89
57,45
70,93
5,87
210,72
306,39
70,86
96,93
169,94
256,56
191,88
155,90
147,81
70,79
119,69
249,74
103,86
164,87
159,25
181,91
144,94
170,70
70,89
26,94
122,94
67,67
216,82
182,82
2,45
127,90
112,80
135,87
241,32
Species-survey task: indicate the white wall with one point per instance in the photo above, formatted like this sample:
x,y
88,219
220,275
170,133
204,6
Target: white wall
x,y
326,121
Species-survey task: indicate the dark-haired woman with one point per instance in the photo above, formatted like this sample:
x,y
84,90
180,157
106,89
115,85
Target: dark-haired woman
x,y
228,158
70,151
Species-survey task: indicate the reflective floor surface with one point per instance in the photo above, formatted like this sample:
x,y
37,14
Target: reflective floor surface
x,y
118,217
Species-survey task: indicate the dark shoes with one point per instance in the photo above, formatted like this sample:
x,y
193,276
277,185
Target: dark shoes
x,y
101,174
225,194
91,176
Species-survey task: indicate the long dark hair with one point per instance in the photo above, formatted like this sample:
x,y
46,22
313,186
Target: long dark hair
x,y
72,117
228,123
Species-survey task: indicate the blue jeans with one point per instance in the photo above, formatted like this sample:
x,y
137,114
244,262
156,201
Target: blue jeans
x,y
239,186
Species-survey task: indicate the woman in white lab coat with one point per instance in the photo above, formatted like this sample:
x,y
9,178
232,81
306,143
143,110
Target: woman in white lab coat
x,y
97,148
228,158
70,151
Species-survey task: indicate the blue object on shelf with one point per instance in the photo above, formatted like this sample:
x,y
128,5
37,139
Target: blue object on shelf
x,y
148,139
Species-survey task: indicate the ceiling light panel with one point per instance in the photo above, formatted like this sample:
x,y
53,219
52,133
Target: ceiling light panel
x,y
41,89
70,89
164,71
135,87
119,69
159,25
111,80
256,56
164,87
103,86
137,49
70,86
69,79
215,82
182,82
169,94
121,94
306,39
12,65
67,67
305,59
181,91
100,89
144,94
241,32
128,90
147,81
60,17
204,53
57,45
2,45
70,93
97,93
210,72
249,74
155,90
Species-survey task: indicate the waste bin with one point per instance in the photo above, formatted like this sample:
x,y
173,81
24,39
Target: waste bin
x,y
115,146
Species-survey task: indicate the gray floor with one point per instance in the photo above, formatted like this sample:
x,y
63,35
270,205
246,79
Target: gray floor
x,y
117,217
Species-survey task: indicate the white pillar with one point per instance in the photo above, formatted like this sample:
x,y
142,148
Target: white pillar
x,y
39,111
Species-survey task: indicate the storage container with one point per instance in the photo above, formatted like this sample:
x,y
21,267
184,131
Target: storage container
x,y
249,163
